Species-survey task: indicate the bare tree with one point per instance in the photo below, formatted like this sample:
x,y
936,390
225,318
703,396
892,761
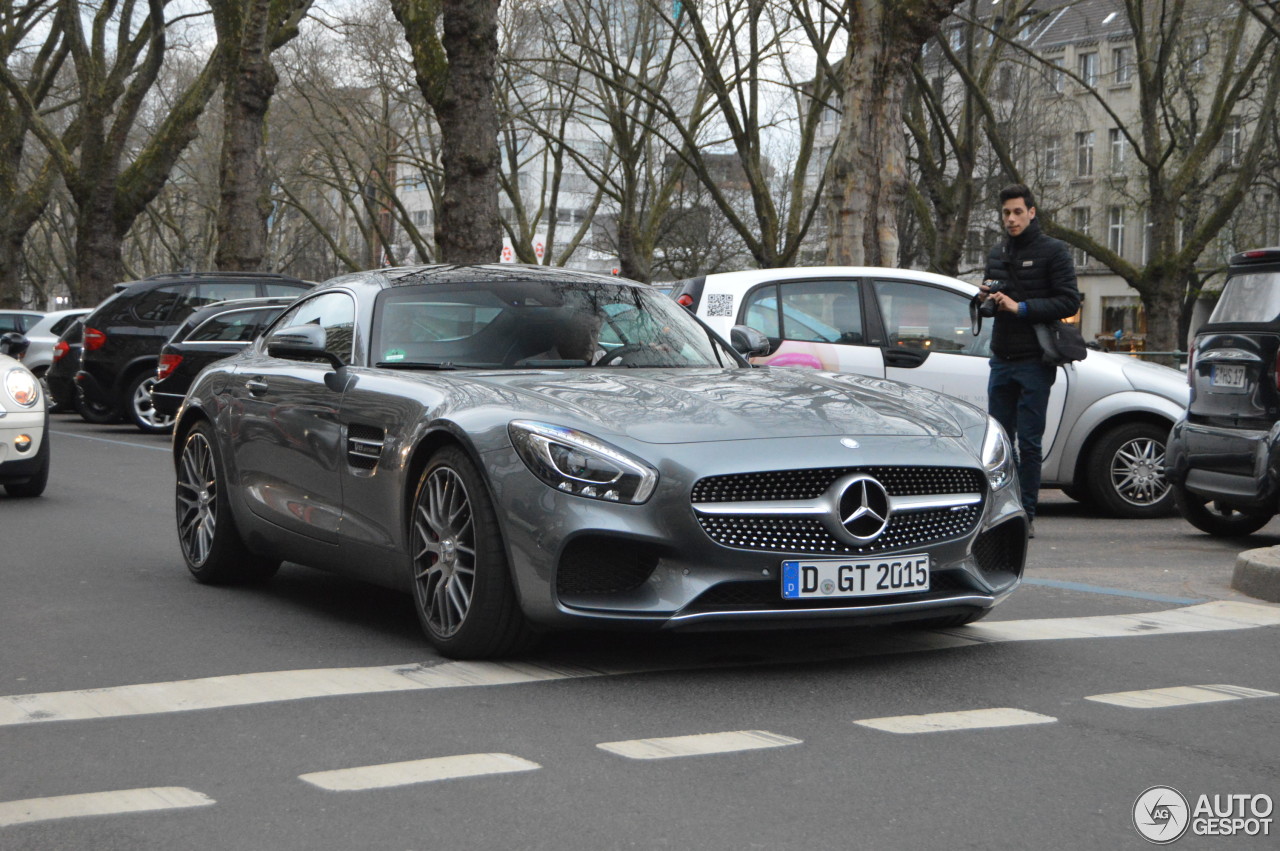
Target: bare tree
x,y
455,48
249,31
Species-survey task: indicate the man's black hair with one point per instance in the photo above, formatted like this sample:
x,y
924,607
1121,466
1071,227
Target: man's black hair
x,y
1017,190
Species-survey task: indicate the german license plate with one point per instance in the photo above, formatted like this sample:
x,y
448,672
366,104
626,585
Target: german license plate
x,y
803,580
1227,375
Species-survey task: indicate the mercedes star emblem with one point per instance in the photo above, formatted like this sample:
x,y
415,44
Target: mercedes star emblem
x,y
864,508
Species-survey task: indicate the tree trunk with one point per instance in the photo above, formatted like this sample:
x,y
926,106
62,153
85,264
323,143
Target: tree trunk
x,y
245,201
869,164
99,245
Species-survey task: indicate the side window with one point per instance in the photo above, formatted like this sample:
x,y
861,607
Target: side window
x,y
335,312
761,312
920,316
9,322
62,324
291,290
232,326
157,305
822,311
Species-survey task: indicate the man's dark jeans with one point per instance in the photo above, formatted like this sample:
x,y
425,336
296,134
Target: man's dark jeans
x,y
1018,398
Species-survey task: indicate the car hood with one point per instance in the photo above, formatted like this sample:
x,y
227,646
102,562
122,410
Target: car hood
x,y
702,405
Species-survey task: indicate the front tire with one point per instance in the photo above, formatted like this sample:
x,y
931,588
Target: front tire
x,y
462,586
1218,519
207,534
1125,472
139,408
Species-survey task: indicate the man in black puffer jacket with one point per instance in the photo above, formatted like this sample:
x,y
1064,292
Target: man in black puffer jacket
x,y
1030,278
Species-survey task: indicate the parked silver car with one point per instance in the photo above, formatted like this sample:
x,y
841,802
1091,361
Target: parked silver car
x,y
1109,415
42,337
524,446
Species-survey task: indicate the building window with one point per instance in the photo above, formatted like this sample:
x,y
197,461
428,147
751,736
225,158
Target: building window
x,y
1232,144
1080,223
1087,68
1198,48
1122,64
1057,75
1115,230
1118,143
1004,82
1084,153
1051,157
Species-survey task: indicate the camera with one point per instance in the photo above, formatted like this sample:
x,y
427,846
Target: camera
x,y
988,307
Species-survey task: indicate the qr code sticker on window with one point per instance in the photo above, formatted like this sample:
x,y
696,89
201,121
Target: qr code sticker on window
x,y
720,304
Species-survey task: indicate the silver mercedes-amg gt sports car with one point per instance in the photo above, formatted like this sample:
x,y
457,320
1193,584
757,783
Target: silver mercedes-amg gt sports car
x,y
526,448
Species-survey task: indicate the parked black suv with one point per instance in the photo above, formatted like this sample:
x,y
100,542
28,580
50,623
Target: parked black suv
x,y
123,336
1223,456
212,333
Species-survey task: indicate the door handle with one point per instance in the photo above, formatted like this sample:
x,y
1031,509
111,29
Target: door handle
x,y
905,358
256,386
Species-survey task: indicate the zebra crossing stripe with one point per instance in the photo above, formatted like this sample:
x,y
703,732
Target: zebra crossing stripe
x,y
417,771
1159,698
969,719
101,803
702,744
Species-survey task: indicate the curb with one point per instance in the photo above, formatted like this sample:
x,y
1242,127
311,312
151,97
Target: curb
x,y
1257,574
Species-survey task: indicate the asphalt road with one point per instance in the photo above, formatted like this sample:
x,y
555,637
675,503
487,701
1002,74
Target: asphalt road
x,y
141,710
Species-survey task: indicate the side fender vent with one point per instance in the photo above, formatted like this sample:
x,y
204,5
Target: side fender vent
x,y
364,446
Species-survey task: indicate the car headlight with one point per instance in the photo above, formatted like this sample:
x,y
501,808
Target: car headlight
x,y
997,455
577,463
22,387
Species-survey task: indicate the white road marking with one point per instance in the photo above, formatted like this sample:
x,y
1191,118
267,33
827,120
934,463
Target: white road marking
x,y
417,771
699,745
271,686
101,804
1159,698
970,719
117,442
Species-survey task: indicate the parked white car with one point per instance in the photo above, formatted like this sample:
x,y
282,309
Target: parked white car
x,y
1109,415
24,423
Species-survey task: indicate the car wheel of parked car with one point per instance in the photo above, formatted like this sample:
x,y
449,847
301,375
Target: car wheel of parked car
x,y
1125,472
141,410
462,585
97,413
1218,518
207,533
35,485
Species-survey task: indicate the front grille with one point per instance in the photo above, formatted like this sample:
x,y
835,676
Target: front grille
x,y
364,446
757,595
1000,552
808,535
593,566
810,484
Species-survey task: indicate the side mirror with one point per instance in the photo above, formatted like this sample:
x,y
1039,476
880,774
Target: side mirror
x,y
749,342
301,342
13,344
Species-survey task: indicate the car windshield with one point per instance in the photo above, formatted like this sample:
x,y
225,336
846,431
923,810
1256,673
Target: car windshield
x,y
1249,298
538,325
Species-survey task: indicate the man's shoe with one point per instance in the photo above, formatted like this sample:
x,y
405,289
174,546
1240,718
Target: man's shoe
x,y
1031,529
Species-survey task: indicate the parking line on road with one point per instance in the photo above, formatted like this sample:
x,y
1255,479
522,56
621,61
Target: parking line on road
x,y
1113,592
109,440
1159,698
417,771
101,804
969,719
274,686
702,744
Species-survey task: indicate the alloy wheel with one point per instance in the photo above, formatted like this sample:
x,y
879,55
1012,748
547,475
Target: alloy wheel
x,y
197,499
1137,471
144,408
444,551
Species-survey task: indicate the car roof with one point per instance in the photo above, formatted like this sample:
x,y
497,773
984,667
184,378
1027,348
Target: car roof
x,y
749,277
481,273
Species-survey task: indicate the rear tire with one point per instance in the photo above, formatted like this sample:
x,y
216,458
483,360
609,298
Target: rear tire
x,y
1217,519
139,408
97,413
207,534
1125,472
35,485
462,587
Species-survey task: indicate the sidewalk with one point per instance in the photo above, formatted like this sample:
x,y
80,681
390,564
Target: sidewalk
x,y
1257,574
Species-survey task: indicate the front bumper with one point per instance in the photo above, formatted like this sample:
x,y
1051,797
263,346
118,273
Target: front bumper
x,y
15,465
1238,466
585,562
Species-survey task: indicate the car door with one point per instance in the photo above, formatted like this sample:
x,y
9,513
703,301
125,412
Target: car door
x,y
288,442
928,341
816,323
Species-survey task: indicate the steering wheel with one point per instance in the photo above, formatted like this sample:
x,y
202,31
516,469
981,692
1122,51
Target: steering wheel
x,y
622,352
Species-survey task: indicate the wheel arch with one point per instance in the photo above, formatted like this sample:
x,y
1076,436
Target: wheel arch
x,y
1104,415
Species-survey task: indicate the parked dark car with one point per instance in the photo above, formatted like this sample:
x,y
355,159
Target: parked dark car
x,y
124,335
60,377
210,334
522,447
1224,454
